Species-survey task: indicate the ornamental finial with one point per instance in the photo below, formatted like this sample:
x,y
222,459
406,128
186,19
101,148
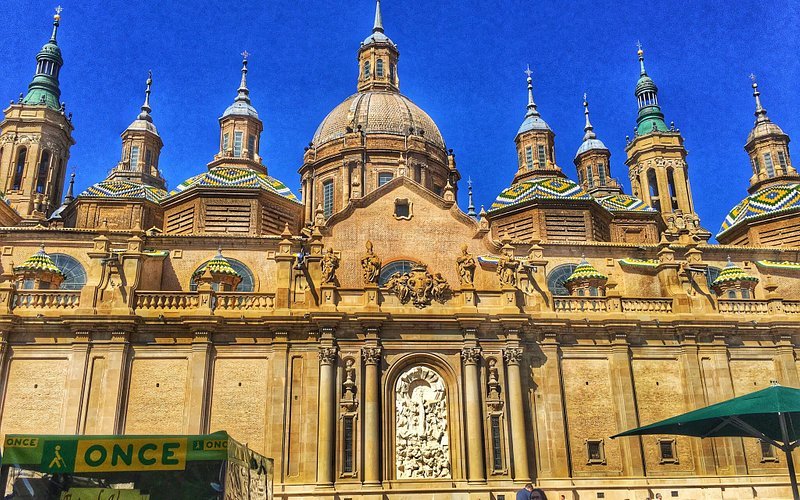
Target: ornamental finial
x,y
531,104
378,25
640,53
243,91
588,129
761,113
145,114
56,22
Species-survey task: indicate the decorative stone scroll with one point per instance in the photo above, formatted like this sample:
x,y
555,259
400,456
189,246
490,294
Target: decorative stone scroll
x,y
419,286
327,355
422,445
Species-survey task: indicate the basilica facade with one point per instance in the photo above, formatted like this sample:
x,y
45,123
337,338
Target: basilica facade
x,y
372,337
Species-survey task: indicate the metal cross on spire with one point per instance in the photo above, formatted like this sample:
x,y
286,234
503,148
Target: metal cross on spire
x,y
528,71
638,45
245,55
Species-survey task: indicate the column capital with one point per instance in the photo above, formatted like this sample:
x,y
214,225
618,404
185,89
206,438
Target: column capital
x,y
512,355
371,355
327,355
471,355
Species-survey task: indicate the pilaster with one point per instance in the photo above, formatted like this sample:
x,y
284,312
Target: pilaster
x,y
476,462
549,411
625,403
76,382
326,429
199,361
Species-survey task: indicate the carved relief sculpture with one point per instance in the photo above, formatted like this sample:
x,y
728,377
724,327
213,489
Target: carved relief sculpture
x,y
507,267
419,286
330,263
493,385
422,445
371,265
466,267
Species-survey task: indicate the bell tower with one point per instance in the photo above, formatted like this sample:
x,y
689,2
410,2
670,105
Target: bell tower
x,y
656,159
35,138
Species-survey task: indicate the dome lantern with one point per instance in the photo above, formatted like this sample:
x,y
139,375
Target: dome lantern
x,y
535,143
377,59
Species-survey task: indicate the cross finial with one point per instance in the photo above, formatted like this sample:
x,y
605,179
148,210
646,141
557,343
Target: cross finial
x,y
638,45
584,96
58,10
753,77
245,55
528,71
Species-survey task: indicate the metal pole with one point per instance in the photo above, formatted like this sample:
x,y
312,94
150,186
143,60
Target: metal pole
x,y
789,460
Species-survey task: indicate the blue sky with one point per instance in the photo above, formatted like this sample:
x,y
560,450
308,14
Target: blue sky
x,y
462,62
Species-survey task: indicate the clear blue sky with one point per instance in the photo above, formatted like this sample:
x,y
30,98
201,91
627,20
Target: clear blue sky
x,y
462,62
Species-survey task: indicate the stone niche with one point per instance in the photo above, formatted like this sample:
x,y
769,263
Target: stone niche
x,y
421,433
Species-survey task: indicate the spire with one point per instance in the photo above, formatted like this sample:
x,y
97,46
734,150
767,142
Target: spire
x,y
761,113
56,20
587,129
69,196
244,92
642,71
44,89
378,26
145,114
471,207
531,105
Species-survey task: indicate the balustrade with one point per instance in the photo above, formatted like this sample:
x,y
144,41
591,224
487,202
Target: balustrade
x,y
743,306
46,299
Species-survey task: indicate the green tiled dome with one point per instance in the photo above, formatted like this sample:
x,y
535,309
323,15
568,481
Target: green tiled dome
x,y
732,273
40,262
585,271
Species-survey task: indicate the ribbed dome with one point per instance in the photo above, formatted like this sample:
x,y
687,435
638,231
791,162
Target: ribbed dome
x,y
764,128
378,113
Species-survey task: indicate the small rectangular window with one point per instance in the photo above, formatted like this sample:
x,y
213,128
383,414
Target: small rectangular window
x,y
148,158
667,452
769,165
601,172
782,159
418,174
347,437
745,293
437,190
225,142
367,71
542,157
134,157
767,452
580,176
595,452
251,146
379,68
529,157
384,177
402,209
327,198
238,137
497,448
590,176
44,169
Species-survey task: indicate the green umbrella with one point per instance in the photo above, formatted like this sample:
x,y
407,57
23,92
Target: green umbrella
x,y
768,414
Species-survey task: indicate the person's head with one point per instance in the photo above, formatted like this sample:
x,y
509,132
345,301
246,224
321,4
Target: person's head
x,y
538,494
529,487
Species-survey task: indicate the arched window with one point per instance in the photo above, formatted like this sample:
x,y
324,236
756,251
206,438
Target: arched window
x,y
367,70
75,274
44,168
20,169
398,266
711,274
601,172
655,202
327,198
589,176
556,278
671,185
379,68
770,166
247,283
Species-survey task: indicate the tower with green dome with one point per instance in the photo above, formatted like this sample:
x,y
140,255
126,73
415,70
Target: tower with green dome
x,y
36,136
656,159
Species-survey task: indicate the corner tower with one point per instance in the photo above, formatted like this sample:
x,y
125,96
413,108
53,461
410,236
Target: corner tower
x,y
657,161
35,138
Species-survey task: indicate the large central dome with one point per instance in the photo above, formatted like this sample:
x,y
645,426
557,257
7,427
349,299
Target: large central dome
x,y
378,112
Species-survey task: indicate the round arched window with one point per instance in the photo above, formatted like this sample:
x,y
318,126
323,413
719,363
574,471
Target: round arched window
x,y
75,274
556,278
711,274
246,285
398,266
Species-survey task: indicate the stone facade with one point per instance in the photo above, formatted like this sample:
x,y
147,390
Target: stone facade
x,y
399,347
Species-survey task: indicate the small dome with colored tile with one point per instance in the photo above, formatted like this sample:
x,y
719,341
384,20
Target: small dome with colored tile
x,y
732,273
232,177
624,203
40,262
217,265
772,200
541,188
585,272
124,190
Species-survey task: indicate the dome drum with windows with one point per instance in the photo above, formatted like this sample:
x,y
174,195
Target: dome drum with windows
x,y
40,269
218,273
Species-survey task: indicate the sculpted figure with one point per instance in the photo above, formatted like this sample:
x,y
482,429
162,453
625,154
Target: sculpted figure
x,y
507,267
466,266
440,288
371,265
330,262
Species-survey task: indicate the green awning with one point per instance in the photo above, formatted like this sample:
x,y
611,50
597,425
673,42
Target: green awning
x,y
86,454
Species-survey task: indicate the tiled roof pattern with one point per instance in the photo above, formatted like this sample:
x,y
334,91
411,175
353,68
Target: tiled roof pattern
x,y
124,189
763,203
624,203
235,177
542,188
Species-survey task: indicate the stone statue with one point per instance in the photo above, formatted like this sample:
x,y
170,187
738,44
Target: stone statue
x,y
466,266
371,265
419,286
422,444
507,267
330,263
349,385
493,384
